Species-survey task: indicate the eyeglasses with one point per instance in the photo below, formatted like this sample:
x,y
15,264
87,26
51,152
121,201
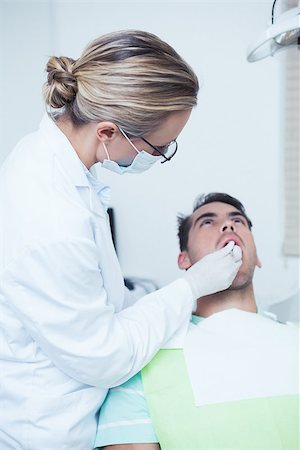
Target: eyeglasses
x,y
166,151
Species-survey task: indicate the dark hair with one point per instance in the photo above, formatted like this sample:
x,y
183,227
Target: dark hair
x,y
185,222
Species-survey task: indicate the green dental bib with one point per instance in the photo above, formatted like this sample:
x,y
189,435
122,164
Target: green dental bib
x,y
257,424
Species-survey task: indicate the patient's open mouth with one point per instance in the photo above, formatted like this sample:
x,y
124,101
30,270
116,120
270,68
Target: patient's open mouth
x,y
223,242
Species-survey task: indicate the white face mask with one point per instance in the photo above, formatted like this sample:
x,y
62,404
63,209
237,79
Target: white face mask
x,y
142,162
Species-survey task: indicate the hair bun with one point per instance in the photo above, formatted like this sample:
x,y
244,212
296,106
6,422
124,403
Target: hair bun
x,y
61,87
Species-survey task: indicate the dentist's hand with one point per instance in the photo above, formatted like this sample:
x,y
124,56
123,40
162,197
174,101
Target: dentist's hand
x,y
214,272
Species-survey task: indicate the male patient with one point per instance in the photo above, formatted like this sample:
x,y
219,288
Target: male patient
x,y
234,385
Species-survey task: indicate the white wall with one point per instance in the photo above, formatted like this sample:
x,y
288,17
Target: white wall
x,y
1,85
231,144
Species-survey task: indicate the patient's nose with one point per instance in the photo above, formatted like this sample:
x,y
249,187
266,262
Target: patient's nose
x,y
227,226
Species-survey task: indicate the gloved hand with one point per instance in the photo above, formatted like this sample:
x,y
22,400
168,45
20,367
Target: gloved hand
x,y
214,272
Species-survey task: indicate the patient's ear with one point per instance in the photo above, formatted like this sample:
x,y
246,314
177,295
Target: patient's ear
x,y
184,260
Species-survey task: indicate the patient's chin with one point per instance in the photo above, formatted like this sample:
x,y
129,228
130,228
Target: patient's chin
x,y
241,281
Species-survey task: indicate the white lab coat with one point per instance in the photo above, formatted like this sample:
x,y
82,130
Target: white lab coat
x,y
65,336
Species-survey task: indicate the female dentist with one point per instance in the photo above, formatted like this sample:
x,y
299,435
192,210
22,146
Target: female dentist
x,y
65,335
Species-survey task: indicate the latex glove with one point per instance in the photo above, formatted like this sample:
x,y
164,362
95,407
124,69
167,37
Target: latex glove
x,y
214,272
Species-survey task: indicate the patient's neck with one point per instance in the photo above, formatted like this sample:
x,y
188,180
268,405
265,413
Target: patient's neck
x,y
231,298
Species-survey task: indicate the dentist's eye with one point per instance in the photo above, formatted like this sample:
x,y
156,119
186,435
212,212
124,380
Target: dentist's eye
x,y
162,148
156,153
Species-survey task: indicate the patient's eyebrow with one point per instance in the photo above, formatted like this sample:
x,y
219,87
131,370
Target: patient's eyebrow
x,y
236,213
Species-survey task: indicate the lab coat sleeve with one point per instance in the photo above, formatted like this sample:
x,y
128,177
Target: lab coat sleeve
x,y
129,298
56,290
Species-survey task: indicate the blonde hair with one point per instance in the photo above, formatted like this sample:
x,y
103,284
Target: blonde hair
x,y
131,78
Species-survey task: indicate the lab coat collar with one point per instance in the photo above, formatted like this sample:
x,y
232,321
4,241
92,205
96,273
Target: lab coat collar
x,y
101,189
73,167
64,152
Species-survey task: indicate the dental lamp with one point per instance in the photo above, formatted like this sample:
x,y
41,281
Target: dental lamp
x,y
284,33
